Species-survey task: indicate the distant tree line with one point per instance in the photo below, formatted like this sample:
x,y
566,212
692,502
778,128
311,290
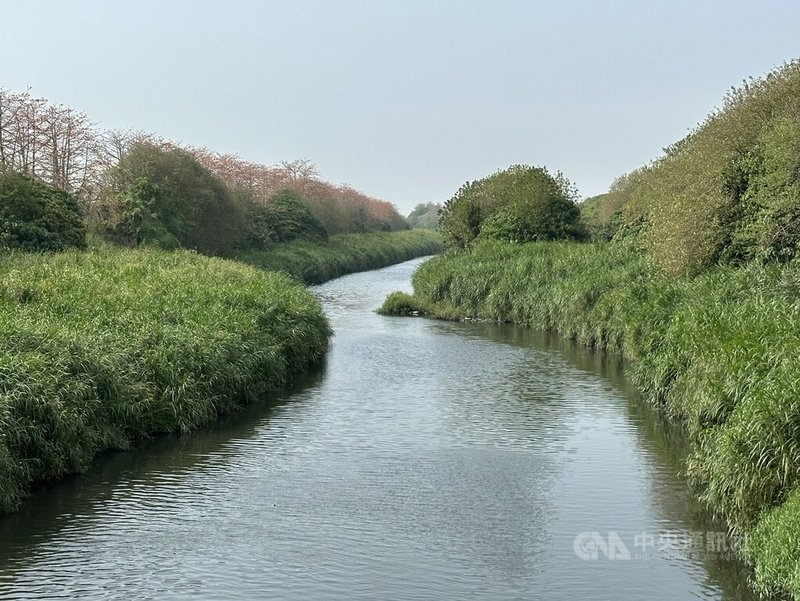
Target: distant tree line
x,y
425,216
134,189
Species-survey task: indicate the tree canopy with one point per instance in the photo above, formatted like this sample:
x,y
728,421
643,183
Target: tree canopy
x,y
518,204
38,217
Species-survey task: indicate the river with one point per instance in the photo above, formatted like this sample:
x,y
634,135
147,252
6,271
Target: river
x,y
426,460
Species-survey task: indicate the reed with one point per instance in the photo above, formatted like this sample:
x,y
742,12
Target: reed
x,y
100,349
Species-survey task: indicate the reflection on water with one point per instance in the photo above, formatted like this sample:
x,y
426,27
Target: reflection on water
x,y
426,460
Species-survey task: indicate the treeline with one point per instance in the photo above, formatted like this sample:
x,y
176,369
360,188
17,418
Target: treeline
x,y
136,189
424,216
693,276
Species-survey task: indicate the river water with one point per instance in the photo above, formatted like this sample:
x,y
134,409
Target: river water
x,y
426,460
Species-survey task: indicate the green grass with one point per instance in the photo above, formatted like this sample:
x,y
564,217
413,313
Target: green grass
x,y
718,351
102,348
400,303
316,262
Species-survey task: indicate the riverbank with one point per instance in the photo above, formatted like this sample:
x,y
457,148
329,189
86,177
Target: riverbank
x,y
100,349
717,351
316,262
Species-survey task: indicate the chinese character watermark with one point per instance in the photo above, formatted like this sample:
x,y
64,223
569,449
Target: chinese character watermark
x,y
668,544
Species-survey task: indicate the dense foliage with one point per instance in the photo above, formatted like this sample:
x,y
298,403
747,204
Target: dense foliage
x,y
38,217
162,196
284,218
730,191
315,262
100,349
519,204
425,216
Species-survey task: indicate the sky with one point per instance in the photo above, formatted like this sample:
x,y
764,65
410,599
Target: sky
x,y
402,99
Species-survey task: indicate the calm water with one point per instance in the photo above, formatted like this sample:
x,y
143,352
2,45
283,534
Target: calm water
x,y
427,460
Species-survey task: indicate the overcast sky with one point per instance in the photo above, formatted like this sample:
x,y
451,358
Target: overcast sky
x,y
403,99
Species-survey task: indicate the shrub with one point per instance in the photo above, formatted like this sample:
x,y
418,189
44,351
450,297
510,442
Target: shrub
x,y
37,217
162,196
285,217
730,190
520,204
400,303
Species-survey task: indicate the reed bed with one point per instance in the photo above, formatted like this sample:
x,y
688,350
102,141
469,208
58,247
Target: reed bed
x,y
316,262
100,349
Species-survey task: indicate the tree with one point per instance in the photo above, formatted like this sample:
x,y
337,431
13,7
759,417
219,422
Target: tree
x,y
285,217
38,217
424,216
161,195
519,204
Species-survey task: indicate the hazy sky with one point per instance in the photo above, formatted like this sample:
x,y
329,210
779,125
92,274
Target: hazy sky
x,y
402,99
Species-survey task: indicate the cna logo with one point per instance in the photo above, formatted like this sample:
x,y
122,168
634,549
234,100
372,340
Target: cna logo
x,y
593,545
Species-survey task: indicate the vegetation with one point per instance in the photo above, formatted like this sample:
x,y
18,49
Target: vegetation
x,y
695,279
520,204
716,351
285,218
99,349
315,262
425,216
730,191
163,197
136,189
400,303
34,216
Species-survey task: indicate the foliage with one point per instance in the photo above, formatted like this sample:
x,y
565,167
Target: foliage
x,y
37,217
729,191
425,216
401,303
99,349
283,218
520,204
164,197
717,351
603,215
316,262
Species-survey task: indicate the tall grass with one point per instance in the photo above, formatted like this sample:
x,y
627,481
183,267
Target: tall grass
x,y
316,262
718,351
102,348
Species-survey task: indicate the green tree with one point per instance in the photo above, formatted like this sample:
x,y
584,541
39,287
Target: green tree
x,y
163,196
284,217
519,204
425,216
38,217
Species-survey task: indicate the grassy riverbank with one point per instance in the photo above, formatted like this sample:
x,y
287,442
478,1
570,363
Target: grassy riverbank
x,y
316,262
99,349
717,351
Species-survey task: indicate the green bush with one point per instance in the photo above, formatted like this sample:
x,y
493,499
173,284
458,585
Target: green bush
x,y
99,349
400,303
285,217
163,197
730,191
37,217
425,216
520,204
